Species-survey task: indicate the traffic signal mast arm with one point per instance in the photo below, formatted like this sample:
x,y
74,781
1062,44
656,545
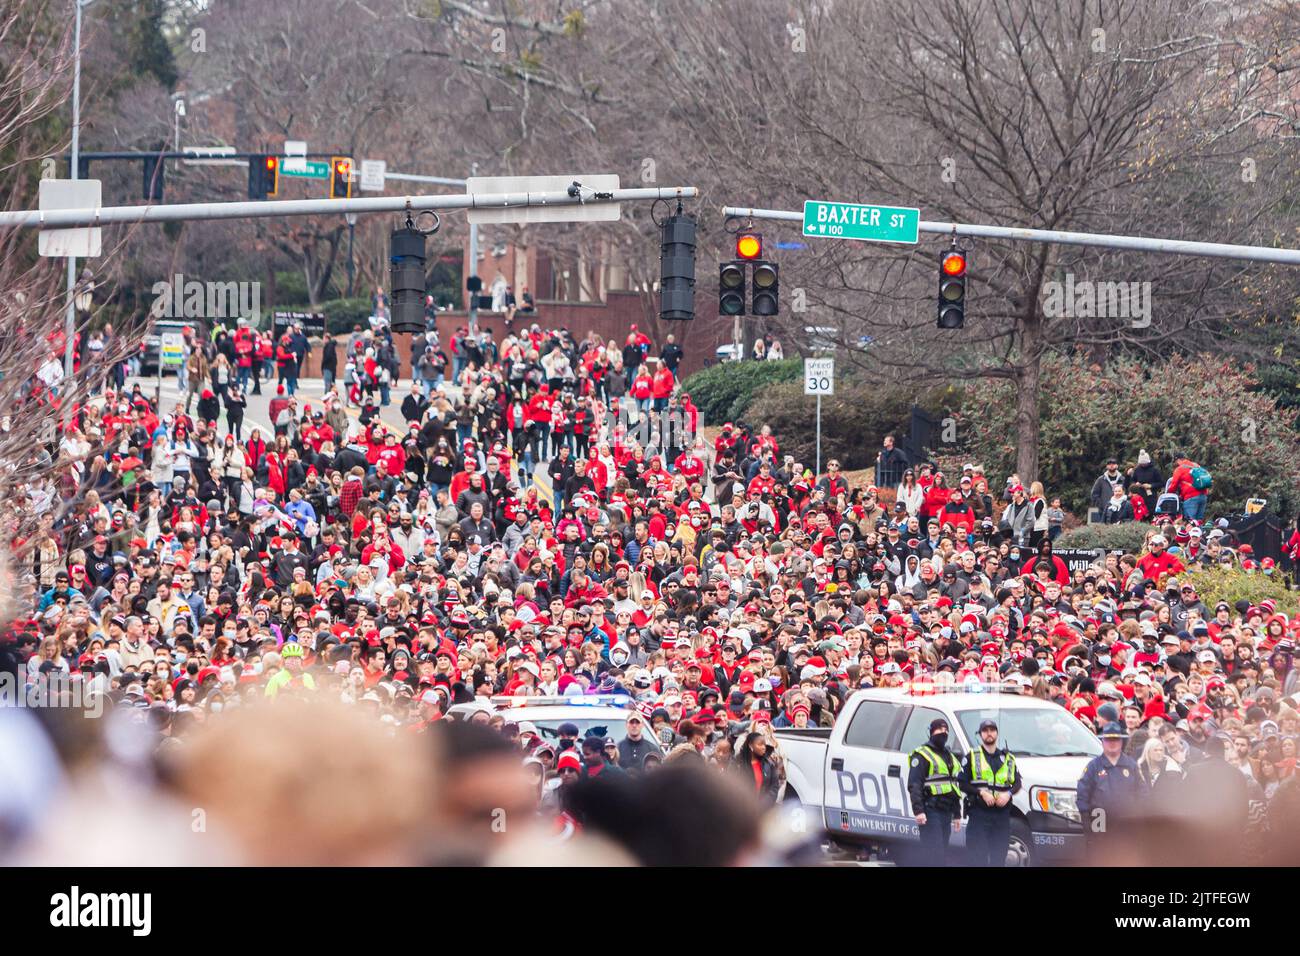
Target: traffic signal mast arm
x,y
107,215
1177,247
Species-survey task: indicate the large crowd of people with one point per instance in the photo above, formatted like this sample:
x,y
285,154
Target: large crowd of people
x,y
552,521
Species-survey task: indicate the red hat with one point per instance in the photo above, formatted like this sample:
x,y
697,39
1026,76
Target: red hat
x,y
746,681
570,760
1155,708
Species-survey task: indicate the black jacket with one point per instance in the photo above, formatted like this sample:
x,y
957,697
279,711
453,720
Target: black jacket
x,y
769,785
918,770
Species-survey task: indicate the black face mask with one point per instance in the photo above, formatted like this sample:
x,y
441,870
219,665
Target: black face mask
x,y
939,740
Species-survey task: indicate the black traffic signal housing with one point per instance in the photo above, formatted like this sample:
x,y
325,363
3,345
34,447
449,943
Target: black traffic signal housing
x,y
731,288
677,268
766,288
406,279
341,178
952,289
263,176
153,179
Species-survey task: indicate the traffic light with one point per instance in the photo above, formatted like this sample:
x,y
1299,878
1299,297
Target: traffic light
x,y
749,246
677,268
731,288
263,176
153,179
952,290
406,279
767,288
340,177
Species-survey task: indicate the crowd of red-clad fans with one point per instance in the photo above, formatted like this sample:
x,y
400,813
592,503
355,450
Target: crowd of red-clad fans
x,y
553,522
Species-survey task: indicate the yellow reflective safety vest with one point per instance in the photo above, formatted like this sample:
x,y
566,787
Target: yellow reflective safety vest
x,y
983,775
942,776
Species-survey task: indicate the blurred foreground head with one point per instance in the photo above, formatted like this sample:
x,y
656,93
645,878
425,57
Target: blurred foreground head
x,y
310,784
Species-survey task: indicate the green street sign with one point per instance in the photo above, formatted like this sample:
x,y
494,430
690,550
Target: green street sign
x,y
846,220
311,169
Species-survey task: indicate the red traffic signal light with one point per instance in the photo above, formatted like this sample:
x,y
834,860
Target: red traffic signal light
x,y
749,245
340,177
954,264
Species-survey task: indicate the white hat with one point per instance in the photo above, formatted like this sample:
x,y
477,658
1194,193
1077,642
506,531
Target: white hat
x,y
762,686
530,667
1206,657
810,670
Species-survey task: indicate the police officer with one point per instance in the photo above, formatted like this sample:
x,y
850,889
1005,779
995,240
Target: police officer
x,y
933,789
1109,793
989,779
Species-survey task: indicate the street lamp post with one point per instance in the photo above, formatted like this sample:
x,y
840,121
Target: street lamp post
x,y
70,320
351,219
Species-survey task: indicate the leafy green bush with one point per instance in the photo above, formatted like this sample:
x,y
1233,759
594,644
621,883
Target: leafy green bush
x,y
854,420
290,286
342,314
1203,406
1129,536
1232,585
723,392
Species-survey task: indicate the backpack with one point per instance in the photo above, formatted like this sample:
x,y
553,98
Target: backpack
x,y
1201,479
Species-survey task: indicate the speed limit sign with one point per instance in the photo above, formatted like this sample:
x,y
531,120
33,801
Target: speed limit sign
x,y
819,376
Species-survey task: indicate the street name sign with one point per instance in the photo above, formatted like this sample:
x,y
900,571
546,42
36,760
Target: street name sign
x,y
846,220
312,169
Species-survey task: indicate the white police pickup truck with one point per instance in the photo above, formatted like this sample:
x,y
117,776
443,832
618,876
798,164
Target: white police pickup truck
x,y
854,775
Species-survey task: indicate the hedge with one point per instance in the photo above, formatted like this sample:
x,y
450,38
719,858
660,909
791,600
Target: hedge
x,y
854,420
1203,406
1232,585
724,391
1129,536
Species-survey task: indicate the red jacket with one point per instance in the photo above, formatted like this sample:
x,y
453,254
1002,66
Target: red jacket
x,y
1180,482
965,518
936,499
1154,565
539,408
689,466
662,386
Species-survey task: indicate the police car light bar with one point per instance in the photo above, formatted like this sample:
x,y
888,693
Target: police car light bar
x,y
922,688
583,700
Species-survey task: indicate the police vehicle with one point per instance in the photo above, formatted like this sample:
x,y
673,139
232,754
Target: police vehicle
x,y
595,715
854,775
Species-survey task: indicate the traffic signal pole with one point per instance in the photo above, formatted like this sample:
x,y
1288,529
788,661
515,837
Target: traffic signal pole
x,y
185,212
1177,247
